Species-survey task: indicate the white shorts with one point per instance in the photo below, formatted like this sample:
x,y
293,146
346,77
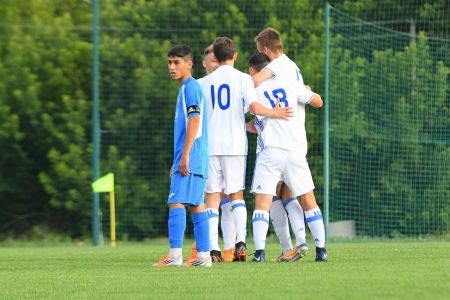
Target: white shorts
x,y
275,164
227,173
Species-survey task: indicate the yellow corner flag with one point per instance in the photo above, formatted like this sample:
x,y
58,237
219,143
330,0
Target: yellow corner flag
x,y
104,184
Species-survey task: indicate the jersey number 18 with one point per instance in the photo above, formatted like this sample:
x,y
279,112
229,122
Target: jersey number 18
x,y
278,94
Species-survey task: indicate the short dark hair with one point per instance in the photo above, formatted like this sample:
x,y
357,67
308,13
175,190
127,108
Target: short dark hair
x,y
269,38
224,48
258,61
183,51
208,50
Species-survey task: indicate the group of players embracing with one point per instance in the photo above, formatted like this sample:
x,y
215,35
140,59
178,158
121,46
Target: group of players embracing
x,y
210,152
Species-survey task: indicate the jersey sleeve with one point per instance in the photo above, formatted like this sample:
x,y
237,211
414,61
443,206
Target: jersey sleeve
x,y
193,96
303,94
248,92
274,67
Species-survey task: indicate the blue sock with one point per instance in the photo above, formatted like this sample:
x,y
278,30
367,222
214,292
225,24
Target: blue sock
x,y
177,225
201,230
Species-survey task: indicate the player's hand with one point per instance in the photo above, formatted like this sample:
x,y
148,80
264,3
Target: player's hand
x,y
282,112
184,163
250,126
307,87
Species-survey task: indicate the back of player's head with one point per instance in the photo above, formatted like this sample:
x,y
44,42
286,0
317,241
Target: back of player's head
x,y
269,38
224,48
208,50
258,61
182,51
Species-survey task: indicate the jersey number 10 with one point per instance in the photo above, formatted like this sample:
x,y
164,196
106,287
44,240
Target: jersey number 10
x,y
222,88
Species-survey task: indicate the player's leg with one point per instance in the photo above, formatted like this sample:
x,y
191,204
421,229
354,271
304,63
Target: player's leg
x,y
201,222
298,178
228,228
260,220
176,222
265,179
213,188
212,208
234,177
280,223
315,223
297,220
239,210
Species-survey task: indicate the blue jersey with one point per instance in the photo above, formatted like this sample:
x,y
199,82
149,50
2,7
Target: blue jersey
x,y
191,102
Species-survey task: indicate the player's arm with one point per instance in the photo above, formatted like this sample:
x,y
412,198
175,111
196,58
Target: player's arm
x,y
261,76
316,101
191,132
250,125
276,112
307,96
255,108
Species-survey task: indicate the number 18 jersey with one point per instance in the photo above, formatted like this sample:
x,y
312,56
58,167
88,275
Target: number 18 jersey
x,y
286,134
229,93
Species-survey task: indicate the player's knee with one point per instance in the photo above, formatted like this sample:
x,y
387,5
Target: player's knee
x,y
307,201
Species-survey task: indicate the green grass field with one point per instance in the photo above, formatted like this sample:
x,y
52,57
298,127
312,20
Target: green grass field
x,y
358,270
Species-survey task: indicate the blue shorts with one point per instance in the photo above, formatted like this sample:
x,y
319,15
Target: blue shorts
x,y
189,190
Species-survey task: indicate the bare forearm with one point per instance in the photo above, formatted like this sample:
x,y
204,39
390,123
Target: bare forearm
x,y
261,76
191,132
260,110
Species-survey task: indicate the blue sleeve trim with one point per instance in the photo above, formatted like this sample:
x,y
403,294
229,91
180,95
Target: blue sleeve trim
x,y
312,96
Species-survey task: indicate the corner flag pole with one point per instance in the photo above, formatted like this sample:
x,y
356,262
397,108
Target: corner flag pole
x,y
106,184
112,222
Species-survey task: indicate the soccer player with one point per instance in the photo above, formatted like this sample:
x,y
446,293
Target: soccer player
x,y
190,167
268,41
230,94
283,149
285,207
210,64
209,61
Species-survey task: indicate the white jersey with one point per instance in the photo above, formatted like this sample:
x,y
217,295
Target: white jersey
x,y
285,69
229,93
285,134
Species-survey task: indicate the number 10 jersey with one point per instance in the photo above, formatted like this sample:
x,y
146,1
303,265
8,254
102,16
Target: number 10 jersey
x,y
229,93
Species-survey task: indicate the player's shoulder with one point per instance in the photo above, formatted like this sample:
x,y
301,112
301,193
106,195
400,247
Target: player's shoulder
x,y
268,84
242,75
201,81
191,86
191,82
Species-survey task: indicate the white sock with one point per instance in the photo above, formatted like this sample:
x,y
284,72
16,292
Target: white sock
x,y
260,226
175,252
297,220
280,224
203,254
240,219
315,224
213,215
227,225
